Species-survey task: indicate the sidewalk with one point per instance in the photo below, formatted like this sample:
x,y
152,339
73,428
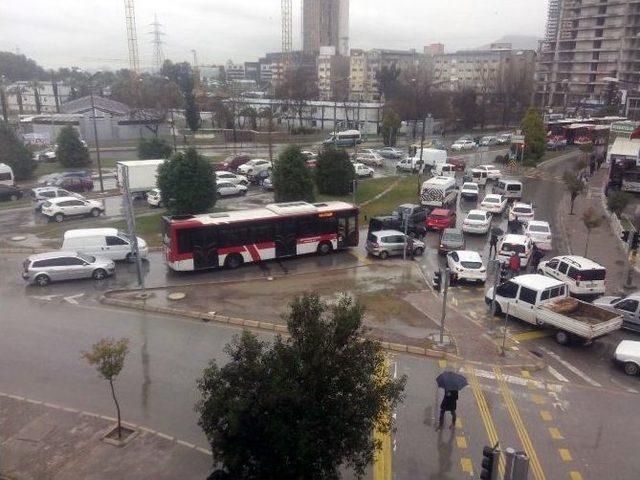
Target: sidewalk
x,y
604,247
41,441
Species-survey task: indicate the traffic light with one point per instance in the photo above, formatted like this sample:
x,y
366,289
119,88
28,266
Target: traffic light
x,y
437,280
625,236
635,241
490,461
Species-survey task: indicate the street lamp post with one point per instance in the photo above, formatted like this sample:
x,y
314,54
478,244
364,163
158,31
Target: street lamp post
x,y
95,138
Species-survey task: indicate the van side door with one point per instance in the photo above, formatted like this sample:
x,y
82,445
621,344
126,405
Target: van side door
x,y
525,305
115,248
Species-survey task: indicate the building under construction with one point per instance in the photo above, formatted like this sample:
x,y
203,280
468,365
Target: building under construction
x,y
325,23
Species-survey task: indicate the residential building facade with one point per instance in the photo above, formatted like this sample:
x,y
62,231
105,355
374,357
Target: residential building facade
x,y
333,73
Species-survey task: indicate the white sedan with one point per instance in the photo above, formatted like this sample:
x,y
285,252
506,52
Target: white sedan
x,y
463,145
254,167
477,221
493,172
521,212
362,170
467,265
371,159
493,203
538,231
469,190
223,176
226,189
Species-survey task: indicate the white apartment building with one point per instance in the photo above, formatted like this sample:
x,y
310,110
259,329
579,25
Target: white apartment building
x,y
27,97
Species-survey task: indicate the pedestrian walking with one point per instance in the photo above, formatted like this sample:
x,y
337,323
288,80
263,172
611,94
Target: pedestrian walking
x,y
493,245
410,246
449,404
536,257
514,264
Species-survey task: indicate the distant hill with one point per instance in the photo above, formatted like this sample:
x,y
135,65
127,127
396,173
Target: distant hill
x,y
518,42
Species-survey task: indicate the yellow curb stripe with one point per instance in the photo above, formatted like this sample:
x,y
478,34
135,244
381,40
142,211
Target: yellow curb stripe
x,y
565,454
467,465
442,363
575,475
536,467
382,466
525,373
546,415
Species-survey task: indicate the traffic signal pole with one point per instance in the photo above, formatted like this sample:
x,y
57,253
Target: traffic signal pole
x,y
445,289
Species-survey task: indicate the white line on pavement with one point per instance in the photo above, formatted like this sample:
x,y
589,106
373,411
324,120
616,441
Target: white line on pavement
x,y
557,374
72,299
571,368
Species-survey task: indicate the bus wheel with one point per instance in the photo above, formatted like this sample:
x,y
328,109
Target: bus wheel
x,y
324,248
233,261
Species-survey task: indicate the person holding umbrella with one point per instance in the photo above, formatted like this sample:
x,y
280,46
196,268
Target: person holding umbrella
x,y
452,383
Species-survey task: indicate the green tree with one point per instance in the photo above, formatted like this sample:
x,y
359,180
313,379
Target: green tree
x,y
152,148
191,112
618,201
291,177
14,153
108,355
574,185
535,136
591,220
304,406
390,125
71,152
187,184
465,105
334,172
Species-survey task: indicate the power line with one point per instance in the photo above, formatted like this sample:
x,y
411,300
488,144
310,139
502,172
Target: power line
x,y
132,36
158,53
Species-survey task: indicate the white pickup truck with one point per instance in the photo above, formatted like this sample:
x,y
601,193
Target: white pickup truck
x,y
545,302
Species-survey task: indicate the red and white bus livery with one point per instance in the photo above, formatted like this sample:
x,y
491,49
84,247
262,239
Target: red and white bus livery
x,y
279,230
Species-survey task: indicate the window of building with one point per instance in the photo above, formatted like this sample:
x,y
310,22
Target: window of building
x,y
594,67
600,21
596,55
592,78
597,44
599,33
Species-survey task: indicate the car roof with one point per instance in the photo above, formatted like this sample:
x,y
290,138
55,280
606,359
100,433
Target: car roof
x,y
628,347
475,210
62,199
582,262
493,195
56,254
515,238
541,223
470,184
510,180
486,165
468,255
457,231
522,204
387,232
87,232
536,281
45,189
439,181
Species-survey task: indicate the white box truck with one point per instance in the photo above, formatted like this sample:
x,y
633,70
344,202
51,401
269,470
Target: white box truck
x,y
430,158
142,174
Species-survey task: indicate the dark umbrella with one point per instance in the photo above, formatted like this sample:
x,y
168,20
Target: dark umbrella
x,y
497,231
451,381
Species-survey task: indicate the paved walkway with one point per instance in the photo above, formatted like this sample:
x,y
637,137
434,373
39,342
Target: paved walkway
x,y
41,441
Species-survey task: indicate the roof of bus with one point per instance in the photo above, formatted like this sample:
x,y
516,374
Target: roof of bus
x,y
273,210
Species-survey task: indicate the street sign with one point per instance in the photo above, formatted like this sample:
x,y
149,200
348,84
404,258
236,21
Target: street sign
x,y
517,138
624,127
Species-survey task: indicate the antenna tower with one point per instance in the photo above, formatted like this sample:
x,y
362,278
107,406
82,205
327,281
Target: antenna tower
x,y
287,31
158,54
132,36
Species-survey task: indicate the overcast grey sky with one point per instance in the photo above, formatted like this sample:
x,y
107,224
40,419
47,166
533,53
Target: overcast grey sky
x,y
92,33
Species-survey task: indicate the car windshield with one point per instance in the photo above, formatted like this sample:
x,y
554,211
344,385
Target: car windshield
x,y
538,228
513,247
492,200
470,186
87,258
476,216
522,210
453,237
472,265
591,275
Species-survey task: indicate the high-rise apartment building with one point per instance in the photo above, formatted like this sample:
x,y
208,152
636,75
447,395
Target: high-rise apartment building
x,y
325,23
588,44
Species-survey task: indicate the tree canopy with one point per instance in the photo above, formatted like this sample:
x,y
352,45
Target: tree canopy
x,y
18,67
14,153
152,148
71,152
334,172
187,184
535,136
291,177
301,407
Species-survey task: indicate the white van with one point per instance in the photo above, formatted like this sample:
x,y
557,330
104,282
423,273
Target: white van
x,y
479,176
444,170
431,156
408,164
584,277
439,192
6,175
103,242
510,189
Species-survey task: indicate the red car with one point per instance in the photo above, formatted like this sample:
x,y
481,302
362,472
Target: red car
x,y
458,163
231,164
441,218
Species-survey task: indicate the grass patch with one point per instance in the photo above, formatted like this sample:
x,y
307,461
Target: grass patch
x,y
46,168
367,189
405,191
147,227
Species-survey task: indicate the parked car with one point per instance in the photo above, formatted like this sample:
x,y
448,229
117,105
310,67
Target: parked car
x,y
7,192
493,172
223,176
627,354
61,208
226,189
519,244
154,198
503,138
391,153
75,184
391,222
466,144
521,212
441,218
267,184
42,194
477,221
469,191
232,163
494,203
488,141
467,265
584,277
109,243
415,212
254,167
458,162
48,155
444,170
362,170
539,232
371,159
44,268
628,307
451,239
386,243
310,157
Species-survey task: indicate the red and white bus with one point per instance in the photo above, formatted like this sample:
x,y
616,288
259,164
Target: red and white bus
x,y
279,230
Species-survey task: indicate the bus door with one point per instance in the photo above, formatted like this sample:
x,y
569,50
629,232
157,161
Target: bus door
x,y
205,248
347,231
286,238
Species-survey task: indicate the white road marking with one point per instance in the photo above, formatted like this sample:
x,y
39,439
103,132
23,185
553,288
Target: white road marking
x,y
46,298
72,299
557,374
571,368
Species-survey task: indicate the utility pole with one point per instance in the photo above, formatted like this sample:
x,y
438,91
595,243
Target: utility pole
x,y
173,132
95,138
131,225
445,279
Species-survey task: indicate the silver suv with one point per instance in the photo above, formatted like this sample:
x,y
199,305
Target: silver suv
x,y
385,243
44,268
62,207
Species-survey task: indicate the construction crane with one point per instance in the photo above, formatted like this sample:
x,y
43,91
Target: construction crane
x,y
132,36
287,31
